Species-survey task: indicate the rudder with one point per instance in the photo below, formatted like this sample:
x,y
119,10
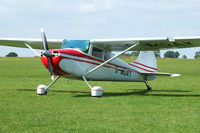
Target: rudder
x,y
146,62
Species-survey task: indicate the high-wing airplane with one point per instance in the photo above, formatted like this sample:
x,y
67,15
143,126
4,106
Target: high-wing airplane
x,y
92,59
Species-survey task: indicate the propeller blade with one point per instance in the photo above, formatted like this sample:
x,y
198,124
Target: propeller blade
x,y
46,52
50,68
44,39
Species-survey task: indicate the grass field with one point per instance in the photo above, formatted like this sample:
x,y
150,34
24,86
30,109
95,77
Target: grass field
x,y
172,106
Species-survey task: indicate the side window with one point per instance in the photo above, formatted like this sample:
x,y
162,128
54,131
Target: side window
x,y
97,52
107,55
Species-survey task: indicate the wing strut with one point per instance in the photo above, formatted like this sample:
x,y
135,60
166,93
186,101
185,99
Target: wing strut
x,y
97,67
32,49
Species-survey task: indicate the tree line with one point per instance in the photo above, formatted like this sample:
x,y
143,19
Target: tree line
x,y
168,54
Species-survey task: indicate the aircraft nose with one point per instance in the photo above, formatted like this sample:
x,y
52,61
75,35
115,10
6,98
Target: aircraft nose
x,y
55,53
55,61
46,53
52,53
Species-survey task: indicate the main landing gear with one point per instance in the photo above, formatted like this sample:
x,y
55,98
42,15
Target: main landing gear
x,y
96,91
148,87
43,89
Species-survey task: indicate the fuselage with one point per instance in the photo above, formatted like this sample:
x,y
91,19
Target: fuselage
x,y
76,63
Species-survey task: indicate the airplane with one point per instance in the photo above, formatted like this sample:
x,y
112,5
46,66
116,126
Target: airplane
x,y
93,59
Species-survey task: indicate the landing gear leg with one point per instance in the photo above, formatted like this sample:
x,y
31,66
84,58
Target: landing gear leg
x,y
86,82
96,91
148,87
43,89
53,82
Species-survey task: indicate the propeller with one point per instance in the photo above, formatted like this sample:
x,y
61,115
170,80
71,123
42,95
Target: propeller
x,y
46,52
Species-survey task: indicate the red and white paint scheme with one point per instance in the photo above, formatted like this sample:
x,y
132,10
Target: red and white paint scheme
x,y
93,59
75,62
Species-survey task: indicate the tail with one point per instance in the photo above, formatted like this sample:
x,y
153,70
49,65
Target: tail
x,y
146,65
146,62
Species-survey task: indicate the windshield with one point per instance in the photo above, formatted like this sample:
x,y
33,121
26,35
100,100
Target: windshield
x,y
82,45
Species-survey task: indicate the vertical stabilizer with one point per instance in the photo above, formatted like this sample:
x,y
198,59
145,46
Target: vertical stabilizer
x,y
146,62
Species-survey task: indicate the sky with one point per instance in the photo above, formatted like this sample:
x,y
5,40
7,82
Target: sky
x,y
89,19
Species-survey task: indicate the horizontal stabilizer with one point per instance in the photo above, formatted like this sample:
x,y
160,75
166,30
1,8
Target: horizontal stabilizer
x,y
159,74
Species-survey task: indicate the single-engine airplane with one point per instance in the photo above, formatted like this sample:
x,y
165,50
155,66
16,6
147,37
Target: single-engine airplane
x,y
92,59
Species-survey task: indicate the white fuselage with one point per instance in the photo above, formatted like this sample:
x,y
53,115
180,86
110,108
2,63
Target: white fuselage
x,y
116,70
77,63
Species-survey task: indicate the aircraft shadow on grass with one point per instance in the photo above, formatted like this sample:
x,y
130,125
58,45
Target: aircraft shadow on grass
x,y
134,92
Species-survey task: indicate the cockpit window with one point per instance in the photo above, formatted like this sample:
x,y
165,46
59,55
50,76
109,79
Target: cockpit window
x,y
82,45
97,52
107,55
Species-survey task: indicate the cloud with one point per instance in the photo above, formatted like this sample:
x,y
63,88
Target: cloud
x,y
98,5
99,18
165,5
88,7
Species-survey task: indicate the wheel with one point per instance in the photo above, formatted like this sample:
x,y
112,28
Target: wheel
x,y
149,88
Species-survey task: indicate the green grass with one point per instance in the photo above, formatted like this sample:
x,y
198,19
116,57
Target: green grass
x,y
172,106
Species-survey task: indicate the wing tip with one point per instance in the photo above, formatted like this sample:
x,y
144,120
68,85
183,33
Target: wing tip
x,y
175,75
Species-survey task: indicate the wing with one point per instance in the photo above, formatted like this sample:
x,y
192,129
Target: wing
x,y
113,44
147,43
34,43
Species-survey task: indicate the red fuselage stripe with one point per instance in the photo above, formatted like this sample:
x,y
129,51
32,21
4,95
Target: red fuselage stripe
x,y
98,64
82,55
145,66
141,68
84,61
